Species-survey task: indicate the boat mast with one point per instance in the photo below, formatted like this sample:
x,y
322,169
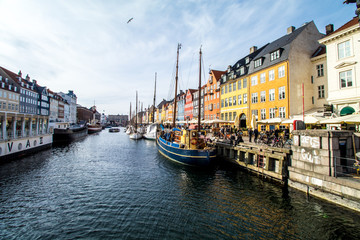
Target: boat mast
x,y
199,100
130,115
176,81
153,113
136,112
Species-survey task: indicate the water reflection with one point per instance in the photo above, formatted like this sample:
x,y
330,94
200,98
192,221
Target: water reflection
x,y
108,186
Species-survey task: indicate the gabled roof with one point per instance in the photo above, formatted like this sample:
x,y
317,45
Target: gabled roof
x,y
217,74
350,23
283,44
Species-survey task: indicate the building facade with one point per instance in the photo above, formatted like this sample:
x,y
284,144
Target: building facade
x,y
212,95
279,73
343,69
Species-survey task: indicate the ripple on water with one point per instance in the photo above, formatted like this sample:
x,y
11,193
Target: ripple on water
x,y
108,186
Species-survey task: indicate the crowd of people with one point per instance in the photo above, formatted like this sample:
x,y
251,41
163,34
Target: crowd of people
x,y
236,135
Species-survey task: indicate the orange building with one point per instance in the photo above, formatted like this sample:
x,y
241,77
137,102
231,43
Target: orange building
x,y
212,95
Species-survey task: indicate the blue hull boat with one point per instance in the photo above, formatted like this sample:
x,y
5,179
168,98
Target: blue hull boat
x,y
193,157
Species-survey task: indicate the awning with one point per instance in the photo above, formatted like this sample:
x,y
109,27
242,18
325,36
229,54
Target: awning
x,y
349,119
346,111
271,121
307,120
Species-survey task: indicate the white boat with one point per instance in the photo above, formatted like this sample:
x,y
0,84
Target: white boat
x,y
136,135
151,132
129,130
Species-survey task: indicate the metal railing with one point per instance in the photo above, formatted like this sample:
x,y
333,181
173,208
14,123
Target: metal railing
x,y
346,167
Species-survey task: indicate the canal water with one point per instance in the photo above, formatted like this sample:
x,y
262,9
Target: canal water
x,y
110,187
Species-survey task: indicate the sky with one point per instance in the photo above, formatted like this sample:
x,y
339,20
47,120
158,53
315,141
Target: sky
x,y
87,45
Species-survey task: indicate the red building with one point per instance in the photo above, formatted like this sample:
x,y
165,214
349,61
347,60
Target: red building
x,y
188,110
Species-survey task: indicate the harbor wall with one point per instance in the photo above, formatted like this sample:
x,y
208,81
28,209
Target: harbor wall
x,y
317,166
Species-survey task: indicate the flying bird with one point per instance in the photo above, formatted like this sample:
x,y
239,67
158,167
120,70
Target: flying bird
x,y
130,20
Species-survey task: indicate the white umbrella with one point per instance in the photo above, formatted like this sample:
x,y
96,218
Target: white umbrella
x,y
253,121
350,119
307,120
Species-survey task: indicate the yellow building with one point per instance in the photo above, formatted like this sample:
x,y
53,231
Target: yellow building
x,y
234,91
278,75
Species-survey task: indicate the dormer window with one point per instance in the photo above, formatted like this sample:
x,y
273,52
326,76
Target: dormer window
x,y
242,70
247,60
275,55
258,62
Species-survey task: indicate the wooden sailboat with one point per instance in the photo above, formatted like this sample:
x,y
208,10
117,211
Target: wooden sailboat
x,y
186,146
152,128
136,134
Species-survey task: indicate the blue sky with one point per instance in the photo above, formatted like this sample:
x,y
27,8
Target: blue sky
x,y
88,46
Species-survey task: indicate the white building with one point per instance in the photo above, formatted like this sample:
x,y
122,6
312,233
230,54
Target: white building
x,y
71,99
343,67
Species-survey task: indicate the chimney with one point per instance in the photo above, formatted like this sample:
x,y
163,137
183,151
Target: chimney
x,y
290,29
253,49
20,74
329,29
27,77
34,82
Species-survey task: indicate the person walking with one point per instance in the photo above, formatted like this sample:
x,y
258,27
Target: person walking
x,y
256,134
250,131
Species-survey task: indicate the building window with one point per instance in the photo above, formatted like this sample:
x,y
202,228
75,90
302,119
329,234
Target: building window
x,y
234,115
222,116
312,79
226,102
226,88
320,70
281,92
271,75
222,103
230,116
245,98
263,113
275,55
239,84
230,87
245,83
230,101
271,94
344,49
282,112
234,86
242,71
321,91
239,99
262,96
281,71
254,112
312,100
258,62
234,100
346,79
254,98
262,77
254,80
272,113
